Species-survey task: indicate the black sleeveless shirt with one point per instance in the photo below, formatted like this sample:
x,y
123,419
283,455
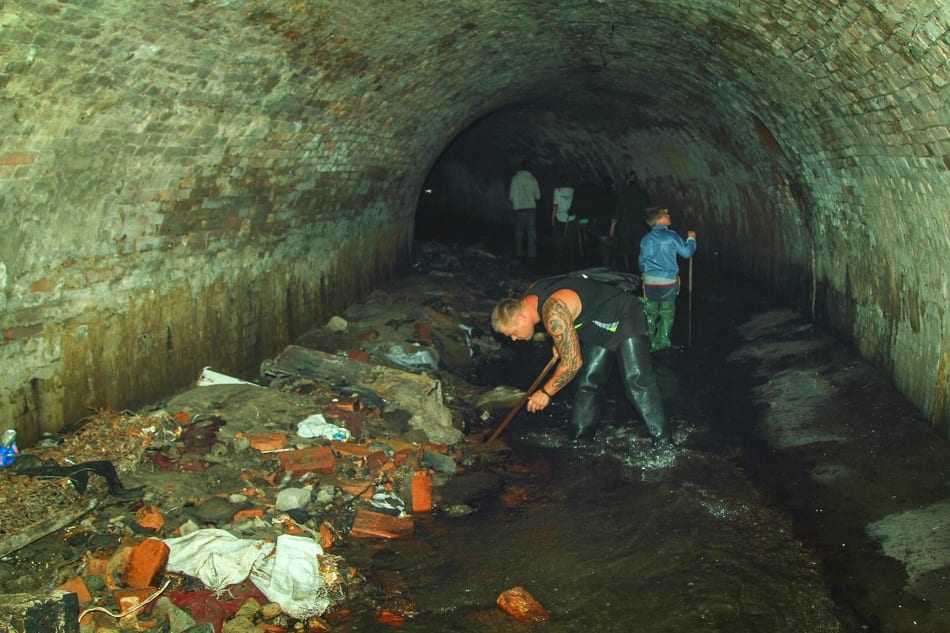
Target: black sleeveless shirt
x,y
608,314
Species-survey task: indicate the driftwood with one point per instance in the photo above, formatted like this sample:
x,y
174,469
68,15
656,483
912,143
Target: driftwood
x,y
47,526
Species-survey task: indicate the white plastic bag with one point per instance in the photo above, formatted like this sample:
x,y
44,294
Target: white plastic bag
x,y
291,577
216,557
317,426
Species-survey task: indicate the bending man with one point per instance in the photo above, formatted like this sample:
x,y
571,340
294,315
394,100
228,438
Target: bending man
x,y
594,324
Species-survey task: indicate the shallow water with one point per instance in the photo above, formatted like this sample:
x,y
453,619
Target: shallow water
x,y
724,533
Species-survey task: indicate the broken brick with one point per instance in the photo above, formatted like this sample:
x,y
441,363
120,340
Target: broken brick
x,y
389,618
422,492
423,334
519,604
249,513
316,459
146,563
375,461
77,586
357,354
350,449
150,517
327,536
369,524
268,441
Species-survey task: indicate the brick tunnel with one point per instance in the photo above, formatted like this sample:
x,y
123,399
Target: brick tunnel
x,y
202,181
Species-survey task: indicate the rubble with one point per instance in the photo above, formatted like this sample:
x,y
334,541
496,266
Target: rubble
x,y
219,508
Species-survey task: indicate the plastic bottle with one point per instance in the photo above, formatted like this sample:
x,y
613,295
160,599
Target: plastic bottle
x,y
8,448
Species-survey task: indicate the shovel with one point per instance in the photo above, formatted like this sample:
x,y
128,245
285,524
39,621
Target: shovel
x,y
524,398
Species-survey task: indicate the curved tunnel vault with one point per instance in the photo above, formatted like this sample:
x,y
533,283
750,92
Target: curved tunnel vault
x,y
207,181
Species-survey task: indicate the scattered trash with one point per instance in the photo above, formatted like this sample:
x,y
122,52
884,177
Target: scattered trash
x,y
413,357
317,426
288,572
8,448
210,377
389,503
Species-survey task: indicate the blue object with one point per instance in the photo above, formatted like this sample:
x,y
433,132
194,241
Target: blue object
x,y
8,454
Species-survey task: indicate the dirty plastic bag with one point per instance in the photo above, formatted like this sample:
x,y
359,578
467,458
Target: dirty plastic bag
x,y
317,426
291,577
216,557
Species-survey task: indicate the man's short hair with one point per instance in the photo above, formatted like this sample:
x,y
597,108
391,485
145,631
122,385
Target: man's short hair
x,y
655,213
505,312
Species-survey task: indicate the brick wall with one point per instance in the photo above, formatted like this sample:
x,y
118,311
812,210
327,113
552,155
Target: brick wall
x,y
197,183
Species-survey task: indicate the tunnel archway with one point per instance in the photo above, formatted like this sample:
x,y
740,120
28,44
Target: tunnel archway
x,y
227,174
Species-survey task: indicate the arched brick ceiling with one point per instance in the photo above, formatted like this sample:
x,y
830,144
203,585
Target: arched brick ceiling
x,y
213,143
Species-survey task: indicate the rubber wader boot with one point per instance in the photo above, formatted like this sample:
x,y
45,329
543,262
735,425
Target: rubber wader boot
x,y
641,389
651,310
585,413
661,340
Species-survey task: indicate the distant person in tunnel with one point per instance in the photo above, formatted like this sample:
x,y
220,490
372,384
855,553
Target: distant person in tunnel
x,y
594,325
524,193
564,225
660,269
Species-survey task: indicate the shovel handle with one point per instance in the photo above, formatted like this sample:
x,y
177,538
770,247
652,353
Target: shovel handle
x,y
524,398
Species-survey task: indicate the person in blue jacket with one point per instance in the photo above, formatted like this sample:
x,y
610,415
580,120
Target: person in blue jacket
x,y
658,265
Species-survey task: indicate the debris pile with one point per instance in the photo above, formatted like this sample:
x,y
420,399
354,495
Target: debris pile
x,y
231,506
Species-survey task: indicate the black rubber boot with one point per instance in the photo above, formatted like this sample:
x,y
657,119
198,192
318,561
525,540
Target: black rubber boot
x,y
585,413
641,389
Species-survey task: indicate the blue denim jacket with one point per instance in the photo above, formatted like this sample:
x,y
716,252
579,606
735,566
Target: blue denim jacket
x,y
658,251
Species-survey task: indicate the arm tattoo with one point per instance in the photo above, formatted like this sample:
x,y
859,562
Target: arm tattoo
x,y
559,322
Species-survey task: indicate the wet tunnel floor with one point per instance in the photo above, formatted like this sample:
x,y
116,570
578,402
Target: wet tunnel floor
x,y
805,494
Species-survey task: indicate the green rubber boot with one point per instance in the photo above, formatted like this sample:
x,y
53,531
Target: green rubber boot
x,y
651,309
667,312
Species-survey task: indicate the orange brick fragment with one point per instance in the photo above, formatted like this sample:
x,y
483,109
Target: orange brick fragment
x,y
96,567
269,441
250,513
327,536
369,524
375,461
146,563
422,492
350,449
316,459
519,604
77,586
389,618
422,332
150,517
357,354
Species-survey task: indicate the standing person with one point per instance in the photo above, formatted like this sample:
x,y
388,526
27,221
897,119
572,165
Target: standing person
x,y
524,193
564,224
661,283
632,203
593,324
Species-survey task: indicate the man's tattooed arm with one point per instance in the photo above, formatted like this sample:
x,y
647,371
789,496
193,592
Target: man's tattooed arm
x,y
559,322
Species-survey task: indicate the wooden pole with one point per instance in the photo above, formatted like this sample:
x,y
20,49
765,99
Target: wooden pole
x,y
524,398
